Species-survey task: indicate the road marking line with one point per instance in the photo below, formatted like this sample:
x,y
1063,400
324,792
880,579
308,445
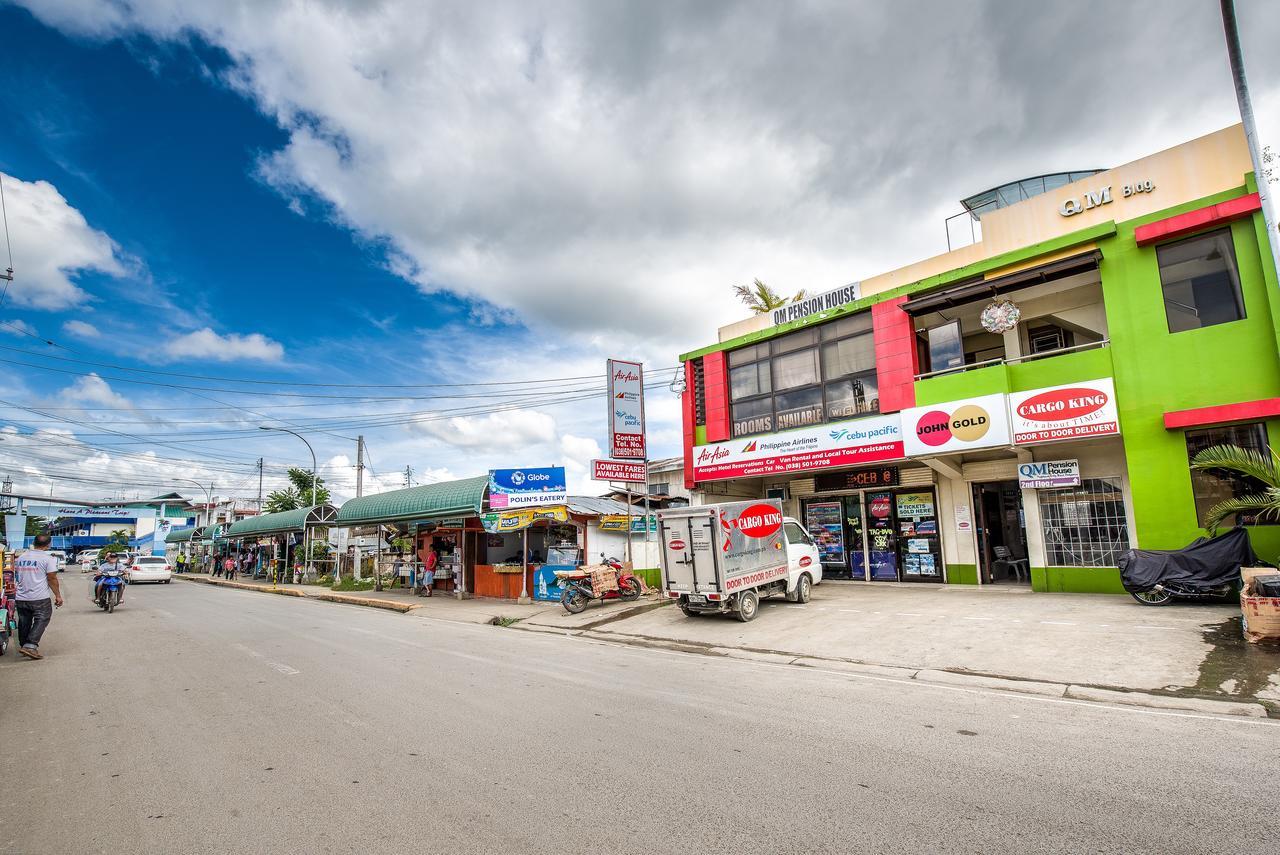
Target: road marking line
x,y
908,614
978,618
852,611
1059,623
1144,626
284,669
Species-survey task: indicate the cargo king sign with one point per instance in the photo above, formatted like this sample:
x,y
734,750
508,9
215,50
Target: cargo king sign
x,y
1074,411
817,447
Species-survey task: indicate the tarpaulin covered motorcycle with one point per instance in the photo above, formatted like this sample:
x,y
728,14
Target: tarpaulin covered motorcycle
x,y
1209,568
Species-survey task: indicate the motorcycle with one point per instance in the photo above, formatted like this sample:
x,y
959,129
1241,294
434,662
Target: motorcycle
x,y
580,590
1207,569
109,590
8,617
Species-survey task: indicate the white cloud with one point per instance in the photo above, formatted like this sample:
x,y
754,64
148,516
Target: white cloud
x,y
52,245
232,347
14,326
94,390
502,431
80,329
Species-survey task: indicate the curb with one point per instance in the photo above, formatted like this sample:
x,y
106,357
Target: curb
x,y
389,605
223,583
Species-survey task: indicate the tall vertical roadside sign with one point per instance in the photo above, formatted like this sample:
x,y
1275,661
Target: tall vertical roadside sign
x,y
626,410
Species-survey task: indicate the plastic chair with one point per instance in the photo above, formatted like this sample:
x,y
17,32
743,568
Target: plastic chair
x,y
1021,567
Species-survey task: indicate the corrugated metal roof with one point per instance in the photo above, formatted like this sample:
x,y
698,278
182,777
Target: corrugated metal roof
x,y
445,499
179,535
283,522
591,505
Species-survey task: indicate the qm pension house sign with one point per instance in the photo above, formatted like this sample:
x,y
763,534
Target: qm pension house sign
x,y
956,426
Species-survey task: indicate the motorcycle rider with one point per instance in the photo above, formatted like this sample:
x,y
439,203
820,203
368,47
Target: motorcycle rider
x,y
111,564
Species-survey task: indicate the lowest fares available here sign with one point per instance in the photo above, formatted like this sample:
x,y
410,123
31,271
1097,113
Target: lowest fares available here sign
x,y
837,444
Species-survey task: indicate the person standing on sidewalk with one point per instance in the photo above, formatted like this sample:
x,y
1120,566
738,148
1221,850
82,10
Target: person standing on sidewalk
x,y
429,563
37,580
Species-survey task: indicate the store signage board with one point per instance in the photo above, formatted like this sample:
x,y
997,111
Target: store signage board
x,y
847,443
856,479
1049,473
1057,413
618,522
618,470
519,488
823,302
503,521
955,426
626,409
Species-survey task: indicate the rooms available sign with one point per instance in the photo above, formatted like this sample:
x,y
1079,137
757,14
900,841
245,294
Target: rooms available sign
x,y
837,444
1073,411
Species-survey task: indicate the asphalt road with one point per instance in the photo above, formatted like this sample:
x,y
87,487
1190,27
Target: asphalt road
x,y
199,719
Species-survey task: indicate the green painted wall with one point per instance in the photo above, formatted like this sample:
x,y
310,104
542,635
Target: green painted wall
x,y
1157,372
1082,580
962,574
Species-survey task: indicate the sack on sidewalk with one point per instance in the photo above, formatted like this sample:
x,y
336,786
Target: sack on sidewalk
x,y
1261,614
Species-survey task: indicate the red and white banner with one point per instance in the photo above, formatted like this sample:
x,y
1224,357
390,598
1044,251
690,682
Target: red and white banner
x,y
626,409
1074,411
866,440
618,470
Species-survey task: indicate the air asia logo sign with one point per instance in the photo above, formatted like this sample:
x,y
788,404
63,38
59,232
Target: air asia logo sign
x,y
967,424
1065,412
956,426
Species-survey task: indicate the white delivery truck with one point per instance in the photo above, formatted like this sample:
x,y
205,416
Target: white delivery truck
x,y
724,558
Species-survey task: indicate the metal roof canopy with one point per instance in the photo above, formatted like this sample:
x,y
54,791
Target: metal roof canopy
x,y
964,293
182,535
445,499
284,522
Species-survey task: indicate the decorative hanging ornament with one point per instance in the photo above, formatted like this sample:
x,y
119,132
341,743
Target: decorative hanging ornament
x,y
1000,316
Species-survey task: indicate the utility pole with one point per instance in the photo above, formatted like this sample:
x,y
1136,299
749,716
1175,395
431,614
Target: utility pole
x,y
359,466
259,485
408,476
1236,57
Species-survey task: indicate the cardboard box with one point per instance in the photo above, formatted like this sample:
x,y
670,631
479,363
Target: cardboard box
x,y
1261,614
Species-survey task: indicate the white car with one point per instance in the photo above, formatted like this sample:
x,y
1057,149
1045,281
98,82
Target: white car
x,y
62,558
150,568
88,561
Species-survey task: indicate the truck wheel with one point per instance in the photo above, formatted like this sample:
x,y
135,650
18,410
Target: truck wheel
x,y
748,605
804,588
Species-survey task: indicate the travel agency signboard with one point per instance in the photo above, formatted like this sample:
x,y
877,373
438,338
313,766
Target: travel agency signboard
x,y
836,444
1074,411
626,409
956,426
521,488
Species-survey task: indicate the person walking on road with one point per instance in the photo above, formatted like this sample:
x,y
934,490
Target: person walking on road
x,y
229,565
37,582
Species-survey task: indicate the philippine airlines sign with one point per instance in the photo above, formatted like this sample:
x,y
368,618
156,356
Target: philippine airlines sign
x,y
1074,411
837,444
626,409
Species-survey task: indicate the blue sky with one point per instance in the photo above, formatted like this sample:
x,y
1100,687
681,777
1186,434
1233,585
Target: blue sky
x,y
254,196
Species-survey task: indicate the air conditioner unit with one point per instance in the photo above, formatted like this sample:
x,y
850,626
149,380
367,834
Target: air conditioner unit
x,y
779,493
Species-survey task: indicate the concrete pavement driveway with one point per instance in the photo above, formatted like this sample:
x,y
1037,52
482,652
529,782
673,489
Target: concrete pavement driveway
x,y
1084,639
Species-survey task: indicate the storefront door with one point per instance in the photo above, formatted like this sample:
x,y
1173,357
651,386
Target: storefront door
x,y
919,545
882,540
1002,533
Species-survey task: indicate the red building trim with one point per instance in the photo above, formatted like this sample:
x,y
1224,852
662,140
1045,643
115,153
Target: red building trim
x,y
1197,220
689,407
1246,411
897,361
715,385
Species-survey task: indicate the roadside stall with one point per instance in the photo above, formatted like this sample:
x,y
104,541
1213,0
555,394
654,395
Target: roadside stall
x,y
276,537
177,541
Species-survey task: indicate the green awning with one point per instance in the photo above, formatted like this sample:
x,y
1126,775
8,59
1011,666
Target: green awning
x,y
430,501
180,535
285,522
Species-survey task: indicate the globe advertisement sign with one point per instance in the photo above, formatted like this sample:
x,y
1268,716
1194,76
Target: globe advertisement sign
x,y
520,488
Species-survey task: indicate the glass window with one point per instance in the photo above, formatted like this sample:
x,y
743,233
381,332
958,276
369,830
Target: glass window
x,y
798,409
749,381
1200,281
748,354
1213,485
795,369
848,356
946,347
1084,526
753,416
795,534
795,341
847,326
857,396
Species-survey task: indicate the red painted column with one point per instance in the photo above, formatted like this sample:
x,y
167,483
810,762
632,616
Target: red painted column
x,y
688,420
715,384
897,361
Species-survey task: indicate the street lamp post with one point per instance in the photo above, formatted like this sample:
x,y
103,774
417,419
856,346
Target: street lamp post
x,y
208,501
306,530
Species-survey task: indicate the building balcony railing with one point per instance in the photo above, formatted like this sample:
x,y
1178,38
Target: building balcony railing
x,y
1016,374
1014,360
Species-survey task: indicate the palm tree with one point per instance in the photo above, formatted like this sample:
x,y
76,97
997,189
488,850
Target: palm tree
x,y
760,298
1263,467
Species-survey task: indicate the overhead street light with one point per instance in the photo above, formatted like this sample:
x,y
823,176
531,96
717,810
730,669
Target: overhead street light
x,y
306,530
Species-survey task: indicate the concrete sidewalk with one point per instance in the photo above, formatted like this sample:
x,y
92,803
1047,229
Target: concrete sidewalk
x,y
1086,640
